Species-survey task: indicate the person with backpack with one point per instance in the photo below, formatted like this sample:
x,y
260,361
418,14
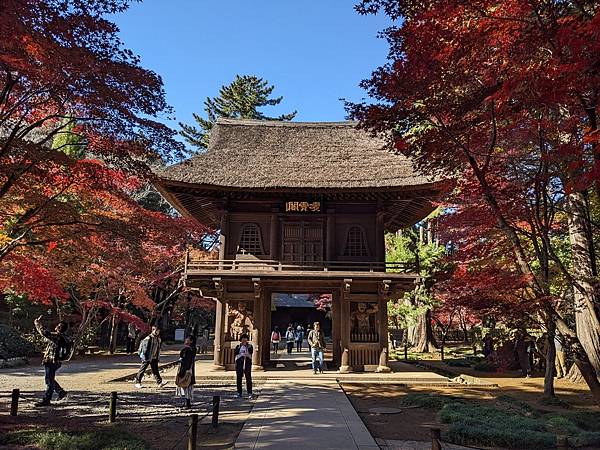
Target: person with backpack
x,y
316,340
275,339
290,339
186,379
59,348
149,351
243,365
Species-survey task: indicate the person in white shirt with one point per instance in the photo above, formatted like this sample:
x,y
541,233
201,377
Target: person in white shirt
x,y
243,365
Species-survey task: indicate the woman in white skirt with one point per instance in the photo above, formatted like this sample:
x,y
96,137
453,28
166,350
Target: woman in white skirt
x,y
186,374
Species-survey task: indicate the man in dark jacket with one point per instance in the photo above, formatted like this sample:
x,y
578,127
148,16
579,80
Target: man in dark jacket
x,y
149,352
243,364
56,343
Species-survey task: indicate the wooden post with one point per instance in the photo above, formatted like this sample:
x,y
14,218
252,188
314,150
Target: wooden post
x,y
112,407
436,437
562,443
14,403
215,411
193,433
405,351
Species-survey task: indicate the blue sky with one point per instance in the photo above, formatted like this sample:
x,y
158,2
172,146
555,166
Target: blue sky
x,y
314,51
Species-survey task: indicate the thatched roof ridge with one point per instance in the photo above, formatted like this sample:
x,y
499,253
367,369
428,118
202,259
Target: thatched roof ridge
x,y
273,154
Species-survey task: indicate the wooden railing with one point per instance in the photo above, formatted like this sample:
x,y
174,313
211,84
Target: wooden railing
x,y
197,265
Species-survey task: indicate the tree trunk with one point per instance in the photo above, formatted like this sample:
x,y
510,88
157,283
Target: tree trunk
x,y
586,316
424,340
550,361
114,333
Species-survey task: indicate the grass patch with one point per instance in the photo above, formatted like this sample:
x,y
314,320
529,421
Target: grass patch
x,y
53,439
509,423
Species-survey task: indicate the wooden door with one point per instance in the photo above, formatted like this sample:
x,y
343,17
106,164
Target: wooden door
x,y
302,242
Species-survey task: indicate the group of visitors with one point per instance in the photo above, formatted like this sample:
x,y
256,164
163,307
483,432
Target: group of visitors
x,y
59,348
294,335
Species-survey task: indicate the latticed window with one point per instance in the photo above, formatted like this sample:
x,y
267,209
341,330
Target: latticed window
x,y
250,241
356,244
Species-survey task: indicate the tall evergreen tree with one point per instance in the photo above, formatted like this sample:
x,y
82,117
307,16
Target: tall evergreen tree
x,y
240,99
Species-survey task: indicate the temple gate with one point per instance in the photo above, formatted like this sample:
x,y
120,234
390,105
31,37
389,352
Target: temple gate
x,y
300,207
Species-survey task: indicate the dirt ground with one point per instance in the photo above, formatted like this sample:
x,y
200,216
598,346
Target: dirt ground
x,y
151,413
413,423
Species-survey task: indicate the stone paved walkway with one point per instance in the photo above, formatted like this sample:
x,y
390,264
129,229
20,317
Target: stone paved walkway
x,y
290,415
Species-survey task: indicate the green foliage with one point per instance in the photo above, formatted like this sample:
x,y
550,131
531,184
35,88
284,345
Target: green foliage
x,y
428,259
109,439
240,99
459,362
69,142
428,401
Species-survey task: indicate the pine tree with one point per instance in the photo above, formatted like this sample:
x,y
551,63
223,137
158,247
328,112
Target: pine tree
x,y
240,99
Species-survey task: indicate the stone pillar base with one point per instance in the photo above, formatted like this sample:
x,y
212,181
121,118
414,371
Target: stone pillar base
x,y
256,368
345,369
383,369
217,367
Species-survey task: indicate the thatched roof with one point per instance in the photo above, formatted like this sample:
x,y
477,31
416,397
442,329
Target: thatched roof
x,y
271,154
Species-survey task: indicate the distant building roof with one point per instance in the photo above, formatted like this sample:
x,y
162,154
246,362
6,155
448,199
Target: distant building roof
x,y
274,154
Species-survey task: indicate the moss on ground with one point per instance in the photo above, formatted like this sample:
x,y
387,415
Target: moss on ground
x,y
509,423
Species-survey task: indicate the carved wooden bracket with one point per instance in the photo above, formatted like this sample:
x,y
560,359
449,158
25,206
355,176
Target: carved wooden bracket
x,y
347,285
219,287
257,288
384,287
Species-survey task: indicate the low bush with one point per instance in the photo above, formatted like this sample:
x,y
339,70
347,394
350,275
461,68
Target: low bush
x,y
13,345
485,367
459,362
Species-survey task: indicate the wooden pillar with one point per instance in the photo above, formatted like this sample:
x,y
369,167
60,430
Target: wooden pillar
x,y
274,235
345,324
257,334
336,334
382,296
379,233
223,235
219,324
330,254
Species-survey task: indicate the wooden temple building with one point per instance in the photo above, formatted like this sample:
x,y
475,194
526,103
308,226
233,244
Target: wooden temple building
x,y
302,208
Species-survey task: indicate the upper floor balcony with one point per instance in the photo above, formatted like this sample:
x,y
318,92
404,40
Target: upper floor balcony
x,y
253,267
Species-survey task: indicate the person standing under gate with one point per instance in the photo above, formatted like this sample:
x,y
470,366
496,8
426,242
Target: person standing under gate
x,y
275,339
316,340
149,352
243,365
299,334
290,339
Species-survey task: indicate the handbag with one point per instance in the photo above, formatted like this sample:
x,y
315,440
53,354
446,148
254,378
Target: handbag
x,y
185,380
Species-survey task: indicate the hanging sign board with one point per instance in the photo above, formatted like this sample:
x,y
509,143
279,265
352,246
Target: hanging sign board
x,y
303,207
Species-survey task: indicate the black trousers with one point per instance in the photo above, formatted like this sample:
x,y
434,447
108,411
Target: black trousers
x,y
290,346
243,367
130,344
153,366
51,383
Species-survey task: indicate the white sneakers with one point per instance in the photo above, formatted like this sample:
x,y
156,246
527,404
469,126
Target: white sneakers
x,y
138,385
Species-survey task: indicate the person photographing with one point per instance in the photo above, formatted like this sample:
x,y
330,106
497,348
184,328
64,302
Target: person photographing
x,y
58,349
243,365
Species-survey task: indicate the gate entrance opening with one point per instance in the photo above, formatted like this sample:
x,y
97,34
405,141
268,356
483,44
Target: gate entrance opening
x,y
293,315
